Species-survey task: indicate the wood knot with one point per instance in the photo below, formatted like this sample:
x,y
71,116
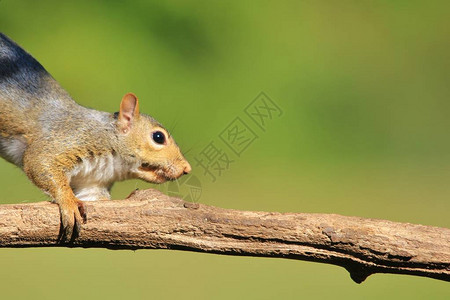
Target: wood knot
x,y
358,273
191,205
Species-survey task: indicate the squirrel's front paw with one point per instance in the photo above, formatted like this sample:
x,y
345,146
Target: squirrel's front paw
x,y
72,216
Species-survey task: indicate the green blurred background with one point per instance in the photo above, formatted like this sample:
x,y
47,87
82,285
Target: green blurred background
x,y
364,87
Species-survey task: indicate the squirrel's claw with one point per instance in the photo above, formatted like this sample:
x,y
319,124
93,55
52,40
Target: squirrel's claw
x,y
82,211
72,216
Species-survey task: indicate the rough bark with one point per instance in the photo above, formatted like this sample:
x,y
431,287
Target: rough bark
x,y
149,219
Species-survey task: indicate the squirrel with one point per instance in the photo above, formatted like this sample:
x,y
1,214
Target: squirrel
x,y
71,152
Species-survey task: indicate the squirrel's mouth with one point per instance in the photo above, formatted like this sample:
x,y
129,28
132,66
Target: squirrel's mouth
x,y
159,175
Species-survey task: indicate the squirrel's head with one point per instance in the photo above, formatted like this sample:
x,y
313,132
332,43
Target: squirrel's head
x,y
149,145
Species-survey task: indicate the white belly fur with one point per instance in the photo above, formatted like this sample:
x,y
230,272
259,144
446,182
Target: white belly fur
x,y
93,178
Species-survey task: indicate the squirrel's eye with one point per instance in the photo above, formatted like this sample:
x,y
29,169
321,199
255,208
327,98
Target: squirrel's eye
x,y
158,137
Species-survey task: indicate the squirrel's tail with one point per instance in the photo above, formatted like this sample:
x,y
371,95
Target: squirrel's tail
x,y
23,80
17,66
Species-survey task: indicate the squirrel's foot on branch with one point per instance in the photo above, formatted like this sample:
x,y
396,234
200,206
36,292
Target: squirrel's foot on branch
x,y
72,216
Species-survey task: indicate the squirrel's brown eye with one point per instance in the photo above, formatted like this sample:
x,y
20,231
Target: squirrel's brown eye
x,y
158,137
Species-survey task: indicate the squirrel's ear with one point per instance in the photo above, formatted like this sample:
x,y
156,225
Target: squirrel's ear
x,y
129,110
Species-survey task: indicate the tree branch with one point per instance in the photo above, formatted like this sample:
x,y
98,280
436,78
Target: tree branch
x,y
149,219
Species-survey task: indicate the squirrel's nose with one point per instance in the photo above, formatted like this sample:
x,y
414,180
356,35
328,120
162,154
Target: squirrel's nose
x,y
187,168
